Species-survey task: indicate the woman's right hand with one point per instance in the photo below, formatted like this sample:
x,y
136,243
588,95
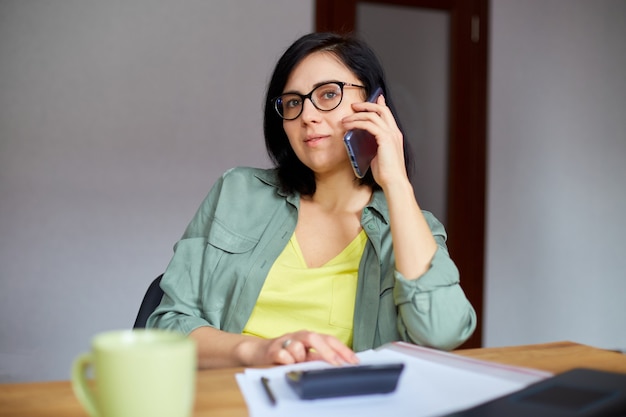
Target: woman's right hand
x,y
219,349
304,346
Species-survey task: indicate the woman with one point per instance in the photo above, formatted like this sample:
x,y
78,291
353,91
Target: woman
x,y
306,261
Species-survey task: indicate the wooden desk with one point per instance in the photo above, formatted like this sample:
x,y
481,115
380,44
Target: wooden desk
x,y
218,393
554,357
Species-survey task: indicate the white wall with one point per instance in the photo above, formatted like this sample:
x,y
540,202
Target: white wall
x,y
115,119
556,238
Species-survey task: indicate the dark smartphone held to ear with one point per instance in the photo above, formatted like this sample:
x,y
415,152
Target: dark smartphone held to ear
x,y
361,144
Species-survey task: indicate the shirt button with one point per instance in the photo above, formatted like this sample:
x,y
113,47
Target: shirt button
x,y
370,226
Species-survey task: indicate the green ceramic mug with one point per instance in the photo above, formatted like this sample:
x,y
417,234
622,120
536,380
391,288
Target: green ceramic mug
x,y
137,373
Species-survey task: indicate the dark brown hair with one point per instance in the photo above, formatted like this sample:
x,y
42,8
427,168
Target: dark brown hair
x,y
361,60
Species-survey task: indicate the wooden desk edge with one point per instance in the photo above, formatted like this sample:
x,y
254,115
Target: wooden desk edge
x,y
555,357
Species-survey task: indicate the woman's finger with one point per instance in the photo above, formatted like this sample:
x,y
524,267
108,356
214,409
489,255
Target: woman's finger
x,y
330,349
296,349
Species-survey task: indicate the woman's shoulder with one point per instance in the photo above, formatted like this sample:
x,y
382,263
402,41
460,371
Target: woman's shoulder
x,y
243,185
239,201
251,176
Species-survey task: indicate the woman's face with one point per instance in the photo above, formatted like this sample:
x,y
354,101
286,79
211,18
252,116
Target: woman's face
x,y
317,136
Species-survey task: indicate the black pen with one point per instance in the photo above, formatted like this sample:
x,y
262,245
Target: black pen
x,y
266,386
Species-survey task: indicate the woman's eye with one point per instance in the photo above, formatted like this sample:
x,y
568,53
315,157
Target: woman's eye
x,y
327,94
292,103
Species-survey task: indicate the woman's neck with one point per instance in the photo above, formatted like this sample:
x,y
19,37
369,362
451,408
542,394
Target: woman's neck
x,y
340,193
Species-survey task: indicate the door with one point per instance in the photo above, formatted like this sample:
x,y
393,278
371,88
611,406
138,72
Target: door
x,y
444,109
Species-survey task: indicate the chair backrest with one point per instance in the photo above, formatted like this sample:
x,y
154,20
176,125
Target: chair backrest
x,y
150,301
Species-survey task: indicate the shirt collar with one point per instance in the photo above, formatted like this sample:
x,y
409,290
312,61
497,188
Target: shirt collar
x,y
378,203
268,176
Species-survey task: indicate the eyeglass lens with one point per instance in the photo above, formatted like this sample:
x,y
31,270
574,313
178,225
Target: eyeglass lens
x,y
325,97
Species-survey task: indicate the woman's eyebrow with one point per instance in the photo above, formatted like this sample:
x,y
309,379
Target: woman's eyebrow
x,y
314,86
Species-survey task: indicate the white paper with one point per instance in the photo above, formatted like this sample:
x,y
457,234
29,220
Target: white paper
x,y
432,384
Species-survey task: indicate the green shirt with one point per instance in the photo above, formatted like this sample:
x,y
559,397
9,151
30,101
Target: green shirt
x,y
220,264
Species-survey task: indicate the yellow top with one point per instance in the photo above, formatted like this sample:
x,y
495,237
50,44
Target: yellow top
x,y
295,297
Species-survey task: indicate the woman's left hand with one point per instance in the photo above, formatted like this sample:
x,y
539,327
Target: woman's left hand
x,y
388,164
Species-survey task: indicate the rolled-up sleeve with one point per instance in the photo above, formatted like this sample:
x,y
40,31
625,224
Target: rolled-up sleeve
x,y
180,308
433,309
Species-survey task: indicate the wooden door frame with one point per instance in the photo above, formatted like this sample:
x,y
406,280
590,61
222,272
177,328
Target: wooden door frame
x,y
467,140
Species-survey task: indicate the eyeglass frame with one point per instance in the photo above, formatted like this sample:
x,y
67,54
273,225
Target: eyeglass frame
x,y
341,85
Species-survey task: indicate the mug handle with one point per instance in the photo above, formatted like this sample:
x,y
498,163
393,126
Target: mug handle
x,y
81,386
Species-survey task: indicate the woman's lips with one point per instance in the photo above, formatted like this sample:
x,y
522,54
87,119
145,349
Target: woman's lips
x,y
312,139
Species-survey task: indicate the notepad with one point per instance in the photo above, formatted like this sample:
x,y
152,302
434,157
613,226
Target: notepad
x,y
433,383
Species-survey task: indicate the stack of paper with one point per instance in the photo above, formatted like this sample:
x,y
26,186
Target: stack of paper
x,y
433,383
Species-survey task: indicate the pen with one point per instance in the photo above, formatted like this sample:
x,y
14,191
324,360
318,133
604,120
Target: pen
x,y
266,387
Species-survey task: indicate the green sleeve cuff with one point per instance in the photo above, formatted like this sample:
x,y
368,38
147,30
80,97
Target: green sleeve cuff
x,y
442,273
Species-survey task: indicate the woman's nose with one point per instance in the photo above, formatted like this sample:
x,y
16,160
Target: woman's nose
x,y
310,113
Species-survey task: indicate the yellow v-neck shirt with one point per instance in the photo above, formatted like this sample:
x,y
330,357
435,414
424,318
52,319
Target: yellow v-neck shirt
x,y
295,297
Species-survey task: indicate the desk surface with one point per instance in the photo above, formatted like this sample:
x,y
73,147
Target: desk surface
x,y
218,393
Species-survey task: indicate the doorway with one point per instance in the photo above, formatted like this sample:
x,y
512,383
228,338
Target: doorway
x,y
454,138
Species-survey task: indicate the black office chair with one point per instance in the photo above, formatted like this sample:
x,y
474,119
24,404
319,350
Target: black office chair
x,y
150,301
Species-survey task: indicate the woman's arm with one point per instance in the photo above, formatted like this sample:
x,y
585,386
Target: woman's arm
x,y
413,242
432,308
217,348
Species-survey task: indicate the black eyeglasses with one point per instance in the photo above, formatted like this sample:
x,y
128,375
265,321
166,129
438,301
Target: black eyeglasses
x,y
325,97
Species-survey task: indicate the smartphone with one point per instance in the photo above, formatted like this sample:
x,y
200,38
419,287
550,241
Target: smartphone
x,y
361,144
345,380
